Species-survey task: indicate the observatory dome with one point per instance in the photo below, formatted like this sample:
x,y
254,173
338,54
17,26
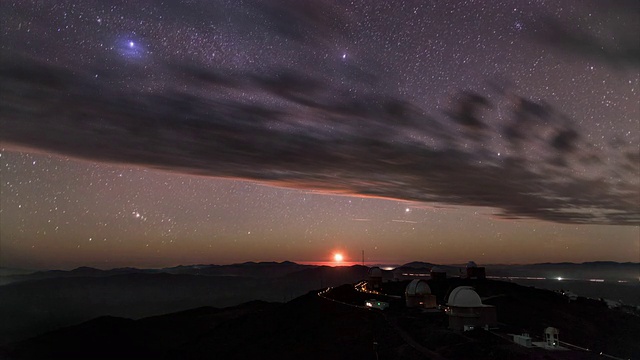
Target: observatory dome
x,y
375,272
471,264
464,296
551,330
417,287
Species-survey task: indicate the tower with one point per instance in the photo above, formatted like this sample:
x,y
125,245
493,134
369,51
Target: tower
x,y
551,337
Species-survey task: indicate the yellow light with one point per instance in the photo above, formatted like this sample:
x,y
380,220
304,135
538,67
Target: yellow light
x,y
338,257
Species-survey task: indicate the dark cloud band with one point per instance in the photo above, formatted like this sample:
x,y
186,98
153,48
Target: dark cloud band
x,y
285,128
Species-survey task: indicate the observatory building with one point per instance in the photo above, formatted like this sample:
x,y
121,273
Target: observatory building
x,y
398,274
523,340
418,295
466,311
551,337
375,279
438,273
551,340
475,272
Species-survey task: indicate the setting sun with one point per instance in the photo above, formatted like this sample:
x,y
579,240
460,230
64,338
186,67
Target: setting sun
x,y
338,257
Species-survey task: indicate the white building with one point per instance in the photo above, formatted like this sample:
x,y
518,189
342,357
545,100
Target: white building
x,y
375,279
418,294
466,310
551,340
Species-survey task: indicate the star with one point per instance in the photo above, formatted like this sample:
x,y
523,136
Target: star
x,y
518,25
132,50
349,115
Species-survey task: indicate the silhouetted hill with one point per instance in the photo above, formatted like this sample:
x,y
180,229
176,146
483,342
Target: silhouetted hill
x,y
247,269
418,265
45,301
426,267
604,270
308,327
78,272
110,337
586,322
312,327
583,321
8,272
32,307
607,270
323,276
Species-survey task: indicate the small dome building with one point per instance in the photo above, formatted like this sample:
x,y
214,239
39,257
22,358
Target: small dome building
x,y
464,296
418,295
466,310
475,272
375,279
438,273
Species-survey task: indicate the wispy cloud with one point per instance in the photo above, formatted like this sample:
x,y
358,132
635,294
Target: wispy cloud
x,y
536,164
295,127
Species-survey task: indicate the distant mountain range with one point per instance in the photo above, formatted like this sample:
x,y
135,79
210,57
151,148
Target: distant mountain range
x,y
313,327
41,301
606,270
249,269
602,270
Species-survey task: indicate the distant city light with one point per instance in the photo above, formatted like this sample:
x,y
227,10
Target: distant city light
x,y
559,278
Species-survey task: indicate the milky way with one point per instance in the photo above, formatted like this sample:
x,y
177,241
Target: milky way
x,y
149,133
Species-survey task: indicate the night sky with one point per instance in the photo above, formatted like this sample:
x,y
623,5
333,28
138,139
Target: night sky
x,y
158,133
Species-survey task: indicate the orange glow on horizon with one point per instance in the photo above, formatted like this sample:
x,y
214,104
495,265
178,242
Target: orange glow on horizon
x,y
338,257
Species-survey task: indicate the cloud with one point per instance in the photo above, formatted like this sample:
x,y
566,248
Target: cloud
x,y
304,131
611,36
289,125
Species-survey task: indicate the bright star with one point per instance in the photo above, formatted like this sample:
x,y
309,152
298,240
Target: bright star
x,y
131,49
